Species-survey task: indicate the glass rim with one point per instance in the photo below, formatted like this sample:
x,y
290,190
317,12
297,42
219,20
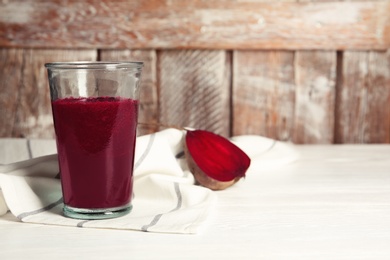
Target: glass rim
x,y
95,65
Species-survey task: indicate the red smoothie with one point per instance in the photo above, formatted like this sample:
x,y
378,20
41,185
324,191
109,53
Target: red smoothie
x,y
95,142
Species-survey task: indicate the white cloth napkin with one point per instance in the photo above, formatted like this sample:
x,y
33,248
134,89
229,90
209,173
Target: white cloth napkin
x,y
165,197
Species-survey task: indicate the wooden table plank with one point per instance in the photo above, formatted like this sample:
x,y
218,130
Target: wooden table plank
x,y
315,76
11,77
27,84
219,24
148,110
364,96
194,89
263,93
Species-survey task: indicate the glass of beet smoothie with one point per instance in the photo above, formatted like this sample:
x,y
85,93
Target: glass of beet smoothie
x,y
95,110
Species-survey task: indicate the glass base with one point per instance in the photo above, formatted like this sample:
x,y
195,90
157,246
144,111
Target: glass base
x,y
91,214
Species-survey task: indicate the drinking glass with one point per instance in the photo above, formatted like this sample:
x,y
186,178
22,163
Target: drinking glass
x,y
95,111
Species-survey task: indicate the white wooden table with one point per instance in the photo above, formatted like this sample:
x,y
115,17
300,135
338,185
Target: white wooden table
x,y
333,203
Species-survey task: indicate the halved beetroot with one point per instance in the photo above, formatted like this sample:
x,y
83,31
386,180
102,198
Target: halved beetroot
x,y
215,162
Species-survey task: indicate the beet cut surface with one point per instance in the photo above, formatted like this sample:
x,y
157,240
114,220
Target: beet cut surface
x,y
216,157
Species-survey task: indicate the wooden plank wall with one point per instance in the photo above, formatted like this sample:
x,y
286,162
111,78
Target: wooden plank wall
x,y
301,71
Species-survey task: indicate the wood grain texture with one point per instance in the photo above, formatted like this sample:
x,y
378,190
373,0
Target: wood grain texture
x,y
315,78
194,89
196,24
148,110
363,98
25,90
263,93
10,81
